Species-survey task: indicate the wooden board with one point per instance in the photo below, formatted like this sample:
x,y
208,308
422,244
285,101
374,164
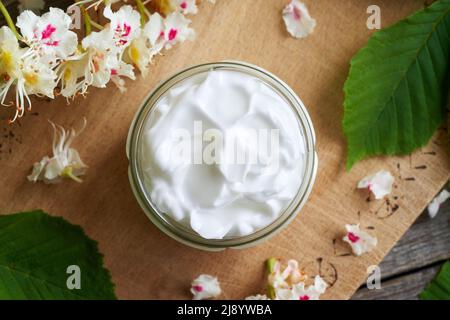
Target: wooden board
x,y
414,260
147,264
426,243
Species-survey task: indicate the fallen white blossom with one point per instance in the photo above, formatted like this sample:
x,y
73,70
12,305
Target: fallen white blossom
x,y
65,163
297,19
360,241
433,207
205,287
380,184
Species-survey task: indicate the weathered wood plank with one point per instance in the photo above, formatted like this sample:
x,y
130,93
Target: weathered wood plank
x,y
425,243
405,287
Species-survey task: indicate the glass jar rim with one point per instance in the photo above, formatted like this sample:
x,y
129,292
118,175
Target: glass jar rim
x,y
183,234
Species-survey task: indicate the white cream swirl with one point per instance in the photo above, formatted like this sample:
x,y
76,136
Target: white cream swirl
x,y
231,196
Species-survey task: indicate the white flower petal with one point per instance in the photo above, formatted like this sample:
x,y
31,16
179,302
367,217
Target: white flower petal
x,y
122,70
177,29
433,207
38,169
38,77
154,28
284,294
297,19
125,24
48,36
65,162
360,241
140,54
205,287
380,184
300,292
103,57
10,62
285,278
74,75
26,22
185,6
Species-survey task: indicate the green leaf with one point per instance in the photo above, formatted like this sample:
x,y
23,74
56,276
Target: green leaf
x,y
439,287
36,250
397,88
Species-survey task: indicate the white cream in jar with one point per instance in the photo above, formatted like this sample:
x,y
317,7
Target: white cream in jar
x,y
250,132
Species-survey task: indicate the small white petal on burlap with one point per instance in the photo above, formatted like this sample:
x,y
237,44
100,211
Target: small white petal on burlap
x,y
433,207
359,240
300,292
205,287
65,163
297,19
380,184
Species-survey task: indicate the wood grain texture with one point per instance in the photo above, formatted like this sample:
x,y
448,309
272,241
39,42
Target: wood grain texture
x,y
147,264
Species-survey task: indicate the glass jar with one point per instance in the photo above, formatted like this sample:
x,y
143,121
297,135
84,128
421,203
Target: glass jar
x,y
183,233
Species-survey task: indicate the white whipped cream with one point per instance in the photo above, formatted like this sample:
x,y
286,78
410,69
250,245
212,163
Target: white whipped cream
x,y
226,198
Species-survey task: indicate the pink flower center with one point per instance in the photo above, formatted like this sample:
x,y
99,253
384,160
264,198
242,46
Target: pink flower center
x,y
48,31
52,43
183,5
123,32
126,30
172,34
113,72
352,237
304,298
297,13
197,288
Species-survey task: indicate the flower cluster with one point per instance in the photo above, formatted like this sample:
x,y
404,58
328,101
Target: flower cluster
x,y
44,56
290,283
